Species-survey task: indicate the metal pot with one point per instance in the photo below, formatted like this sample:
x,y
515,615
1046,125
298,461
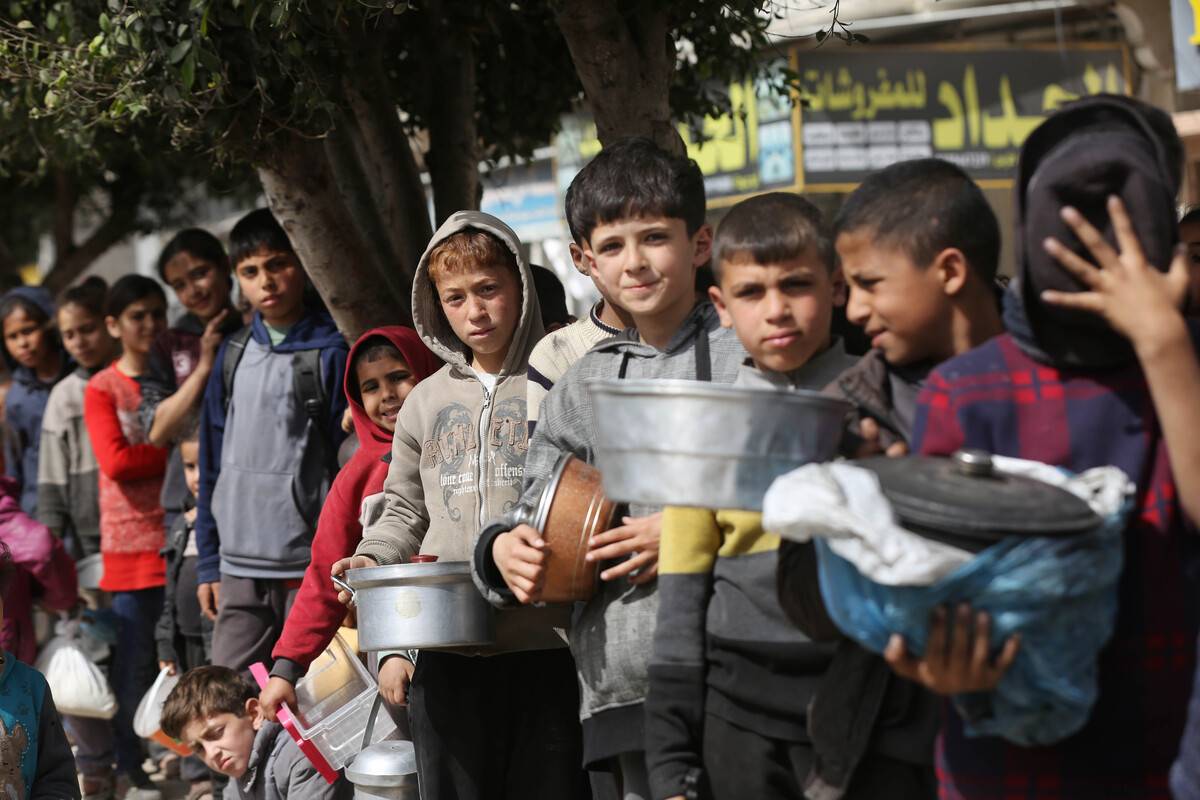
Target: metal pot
x,y
419,606
570,510
966,502
386,770
691,443
90,570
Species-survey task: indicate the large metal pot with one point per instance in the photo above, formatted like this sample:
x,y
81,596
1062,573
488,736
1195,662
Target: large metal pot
x,y
690,443
419,606
90,570
570,510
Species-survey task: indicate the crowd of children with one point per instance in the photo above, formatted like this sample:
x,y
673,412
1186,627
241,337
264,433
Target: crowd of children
x,y
200,463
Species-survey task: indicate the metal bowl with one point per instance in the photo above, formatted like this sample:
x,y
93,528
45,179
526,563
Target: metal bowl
x,y
414,606
90,570
689,443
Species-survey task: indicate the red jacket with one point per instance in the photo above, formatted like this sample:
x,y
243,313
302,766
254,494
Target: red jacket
x,y
316,613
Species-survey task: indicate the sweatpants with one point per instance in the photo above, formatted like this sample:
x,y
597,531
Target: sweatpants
x,y
504,727
250,617
134,667
741,764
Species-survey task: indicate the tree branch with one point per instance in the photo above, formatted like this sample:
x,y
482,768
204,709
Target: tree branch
x,y
121,221
66,198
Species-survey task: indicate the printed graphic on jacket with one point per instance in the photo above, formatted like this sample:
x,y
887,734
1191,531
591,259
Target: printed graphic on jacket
x,y
12,752
454,449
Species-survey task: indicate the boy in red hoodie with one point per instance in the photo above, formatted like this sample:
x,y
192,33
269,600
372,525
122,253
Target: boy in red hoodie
x,y
384,365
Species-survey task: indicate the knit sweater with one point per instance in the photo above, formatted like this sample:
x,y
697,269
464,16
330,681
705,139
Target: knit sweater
x,y
131,475
556,352
68,475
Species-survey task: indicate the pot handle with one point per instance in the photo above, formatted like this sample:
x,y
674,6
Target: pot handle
x,y
345,587
370,729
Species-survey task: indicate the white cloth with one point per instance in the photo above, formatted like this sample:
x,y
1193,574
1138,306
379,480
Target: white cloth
x,y
845,505
488,379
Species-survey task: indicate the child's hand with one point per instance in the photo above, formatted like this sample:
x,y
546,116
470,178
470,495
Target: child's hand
x,y
869,430
638,538
209,595
348,420
395,673
171,667
957,666
277,692
1136,299
520,555
353,562
210,340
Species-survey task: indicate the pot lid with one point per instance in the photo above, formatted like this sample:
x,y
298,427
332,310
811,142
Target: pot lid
x,y
389,763
967,496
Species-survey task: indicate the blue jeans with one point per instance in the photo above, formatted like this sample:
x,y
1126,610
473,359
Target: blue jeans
x,y
93,739
134,667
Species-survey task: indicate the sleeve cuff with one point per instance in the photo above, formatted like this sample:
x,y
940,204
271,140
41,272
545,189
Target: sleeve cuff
x,y
287,669
487,575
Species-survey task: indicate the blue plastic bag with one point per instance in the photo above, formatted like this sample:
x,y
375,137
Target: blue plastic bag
x,y
1060,594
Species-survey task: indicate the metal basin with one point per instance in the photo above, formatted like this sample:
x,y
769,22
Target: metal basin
x,y
90,570
413,606
689,443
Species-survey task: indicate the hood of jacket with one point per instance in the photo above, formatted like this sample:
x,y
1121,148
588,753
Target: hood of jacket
x,y
315,331
373,440
41,298
427,314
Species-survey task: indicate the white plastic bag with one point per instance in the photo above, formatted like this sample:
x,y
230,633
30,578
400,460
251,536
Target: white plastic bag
x,y
79,686
147,719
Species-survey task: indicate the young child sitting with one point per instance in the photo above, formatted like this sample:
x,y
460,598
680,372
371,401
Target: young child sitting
x,y
35,757
641,219
731,677
1063,387
269,434
385,365
215,711
457,459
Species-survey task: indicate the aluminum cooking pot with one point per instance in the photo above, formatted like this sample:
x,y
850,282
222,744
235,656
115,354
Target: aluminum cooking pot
x,y
419,606
692,443
570,510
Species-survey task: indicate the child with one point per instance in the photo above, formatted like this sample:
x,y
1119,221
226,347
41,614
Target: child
x,y
131,519
1065,388
194,265
35,358
731,677
641,222
35,757
552,298
269,435
215,712
68,476
457,458
385,365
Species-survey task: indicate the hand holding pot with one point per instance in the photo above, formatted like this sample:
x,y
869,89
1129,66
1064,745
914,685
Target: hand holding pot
x,y
395,673
520,555
353,562
958,663
638,538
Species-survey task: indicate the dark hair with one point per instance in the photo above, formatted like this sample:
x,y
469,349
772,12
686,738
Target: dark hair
x,y
12,302
189,430
373,349
770,228
634,177
129,289
551,295
1190,216
7,568
204,692
195,242
90,295
258,230
924,207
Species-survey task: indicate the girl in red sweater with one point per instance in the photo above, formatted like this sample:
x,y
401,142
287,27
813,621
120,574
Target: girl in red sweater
x,y
384,365
131,516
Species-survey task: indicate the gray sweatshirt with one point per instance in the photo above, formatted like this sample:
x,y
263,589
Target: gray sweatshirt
x,y
68,495
278,770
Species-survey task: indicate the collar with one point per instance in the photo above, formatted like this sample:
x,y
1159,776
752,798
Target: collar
x,y
595,316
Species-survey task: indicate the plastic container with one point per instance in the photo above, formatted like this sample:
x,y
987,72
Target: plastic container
x,y
148,717
333,704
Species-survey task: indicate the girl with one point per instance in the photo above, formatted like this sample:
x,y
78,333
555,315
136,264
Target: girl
x,y
37,362
131,517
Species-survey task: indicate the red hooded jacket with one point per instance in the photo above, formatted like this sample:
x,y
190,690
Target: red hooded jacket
x,y
316,613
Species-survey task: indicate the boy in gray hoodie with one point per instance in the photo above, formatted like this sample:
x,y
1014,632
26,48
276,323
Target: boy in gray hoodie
x,y
641,216
457,460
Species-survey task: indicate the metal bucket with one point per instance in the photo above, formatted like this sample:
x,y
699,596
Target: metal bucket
x,y
414,606
90,570
689,443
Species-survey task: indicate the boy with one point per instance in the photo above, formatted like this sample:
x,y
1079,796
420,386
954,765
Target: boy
x,y
641,221
731,677
1065,388
457,458
269,432
215,712
919,247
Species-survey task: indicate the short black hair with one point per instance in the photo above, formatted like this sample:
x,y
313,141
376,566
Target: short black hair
x,y
196,242
1190,216
551,295
90,295
770,228
128,290
634,177
925,206
373,349
258,230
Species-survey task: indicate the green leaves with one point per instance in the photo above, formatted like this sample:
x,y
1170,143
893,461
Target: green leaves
x,y
179,51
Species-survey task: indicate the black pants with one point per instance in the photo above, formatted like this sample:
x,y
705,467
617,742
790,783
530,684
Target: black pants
x,y
504,727
250,618
741,764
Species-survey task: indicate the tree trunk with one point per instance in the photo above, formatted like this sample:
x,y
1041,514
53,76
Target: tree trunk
x,y
70,260
625,63
303,194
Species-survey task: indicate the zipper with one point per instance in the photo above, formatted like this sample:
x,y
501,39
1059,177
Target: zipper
x,y
485,419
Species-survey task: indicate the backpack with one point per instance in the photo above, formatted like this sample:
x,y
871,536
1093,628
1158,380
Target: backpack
x,y
320,459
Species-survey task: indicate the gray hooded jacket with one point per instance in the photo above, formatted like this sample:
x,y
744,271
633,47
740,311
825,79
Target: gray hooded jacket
x,y
458,453
278,770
